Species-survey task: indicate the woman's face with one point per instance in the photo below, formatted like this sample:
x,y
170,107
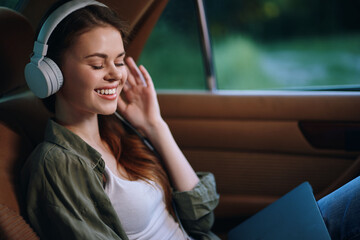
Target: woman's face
x,y
94,73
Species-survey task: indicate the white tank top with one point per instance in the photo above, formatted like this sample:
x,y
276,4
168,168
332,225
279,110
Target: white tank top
x,y
141,209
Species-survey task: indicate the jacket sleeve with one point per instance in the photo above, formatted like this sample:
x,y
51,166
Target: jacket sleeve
x,y
195,207
65,200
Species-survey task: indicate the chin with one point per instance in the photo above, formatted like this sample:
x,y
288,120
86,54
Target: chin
x,y
108,111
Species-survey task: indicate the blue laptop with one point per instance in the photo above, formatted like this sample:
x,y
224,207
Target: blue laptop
x,y
295,216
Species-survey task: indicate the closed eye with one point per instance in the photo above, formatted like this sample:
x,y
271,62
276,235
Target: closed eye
x,y
119,64
97,67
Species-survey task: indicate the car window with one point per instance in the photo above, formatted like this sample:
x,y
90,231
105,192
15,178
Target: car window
x,y
172,53
259,44
285,44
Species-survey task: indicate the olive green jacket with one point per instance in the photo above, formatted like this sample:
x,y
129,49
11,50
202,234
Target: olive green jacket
x,y
64,196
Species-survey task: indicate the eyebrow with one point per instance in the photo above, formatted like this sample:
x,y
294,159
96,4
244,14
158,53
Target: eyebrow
x,y
102,55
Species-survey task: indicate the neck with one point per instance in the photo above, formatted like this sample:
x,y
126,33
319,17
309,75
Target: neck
x,y
85,125
87,129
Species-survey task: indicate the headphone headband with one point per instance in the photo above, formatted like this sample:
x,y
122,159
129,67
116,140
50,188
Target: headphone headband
x,y
55,18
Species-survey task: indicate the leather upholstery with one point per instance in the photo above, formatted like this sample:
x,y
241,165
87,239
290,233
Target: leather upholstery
x,y
13,226
18,134
16,44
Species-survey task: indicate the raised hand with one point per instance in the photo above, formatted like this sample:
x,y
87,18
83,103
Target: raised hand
x,y
139,104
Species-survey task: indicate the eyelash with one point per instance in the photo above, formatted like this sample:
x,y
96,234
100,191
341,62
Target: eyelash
x,y
97,67
101,67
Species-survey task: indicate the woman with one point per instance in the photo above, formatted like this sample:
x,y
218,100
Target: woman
x,y
92,178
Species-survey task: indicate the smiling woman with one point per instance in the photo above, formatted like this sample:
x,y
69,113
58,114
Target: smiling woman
x,y
96,54
258,144
88,162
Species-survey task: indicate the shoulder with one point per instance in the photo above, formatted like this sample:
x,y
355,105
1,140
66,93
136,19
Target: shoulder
x,y
50,156
50,162
53,170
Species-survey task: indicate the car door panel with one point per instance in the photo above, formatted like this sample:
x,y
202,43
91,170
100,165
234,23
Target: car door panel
x,y
254,143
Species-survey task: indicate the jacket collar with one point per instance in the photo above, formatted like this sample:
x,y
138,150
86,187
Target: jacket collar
x,y
63,137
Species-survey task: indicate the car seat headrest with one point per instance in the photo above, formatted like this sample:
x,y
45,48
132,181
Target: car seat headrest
x,y
17,36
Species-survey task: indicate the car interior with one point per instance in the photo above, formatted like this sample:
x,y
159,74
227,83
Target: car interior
x,y
258,144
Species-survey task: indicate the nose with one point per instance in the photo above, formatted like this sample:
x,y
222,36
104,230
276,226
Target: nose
x,y
114,73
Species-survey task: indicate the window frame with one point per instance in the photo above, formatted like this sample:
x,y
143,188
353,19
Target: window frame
x,y
206,48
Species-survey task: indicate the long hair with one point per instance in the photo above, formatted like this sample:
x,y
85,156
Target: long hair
x,y
138,162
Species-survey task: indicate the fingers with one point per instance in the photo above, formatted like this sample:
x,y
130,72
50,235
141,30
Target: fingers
x,y
138,82
136,77
147,76
130,81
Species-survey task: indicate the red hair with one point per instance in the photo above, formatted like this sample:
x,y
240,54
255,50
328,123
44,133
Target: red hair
x,y
139,162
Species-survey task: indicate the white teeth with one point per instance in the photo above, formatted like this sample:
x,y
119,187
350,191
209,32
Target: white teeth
x,y
106,91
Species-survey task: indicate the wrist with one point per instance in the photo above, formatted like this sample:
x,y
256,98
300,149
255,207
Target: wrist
x,y
156,129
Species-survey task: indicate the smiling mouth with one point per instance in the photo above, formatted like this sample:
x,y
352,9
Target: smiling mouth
x,y
108,91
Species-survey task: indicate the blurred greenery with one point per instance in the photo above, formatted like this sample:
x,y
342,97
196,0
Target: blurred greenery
x,y
315,61
258,44
172,53
173,61
241,63
268,20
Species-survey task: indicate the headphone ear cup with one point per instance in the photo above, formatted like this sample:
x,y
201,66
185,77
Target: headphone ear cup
x,y
55,75
44,78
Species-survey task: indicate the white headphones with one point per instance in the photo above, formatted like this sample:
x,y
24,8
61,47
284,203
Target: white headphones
x,y
42,75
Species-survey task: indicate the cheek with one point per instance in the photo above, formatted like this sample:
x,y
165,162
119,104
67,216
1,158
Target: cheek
x,y
80,78
75,87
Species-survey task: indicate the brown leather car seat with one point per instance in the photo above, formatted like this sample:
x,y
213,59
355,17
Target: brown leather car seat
x,y
22,120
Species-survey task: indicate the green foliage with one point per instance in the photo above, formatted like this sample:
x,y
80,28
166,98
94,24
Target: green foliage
x,y
237,64
325,61
173,60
